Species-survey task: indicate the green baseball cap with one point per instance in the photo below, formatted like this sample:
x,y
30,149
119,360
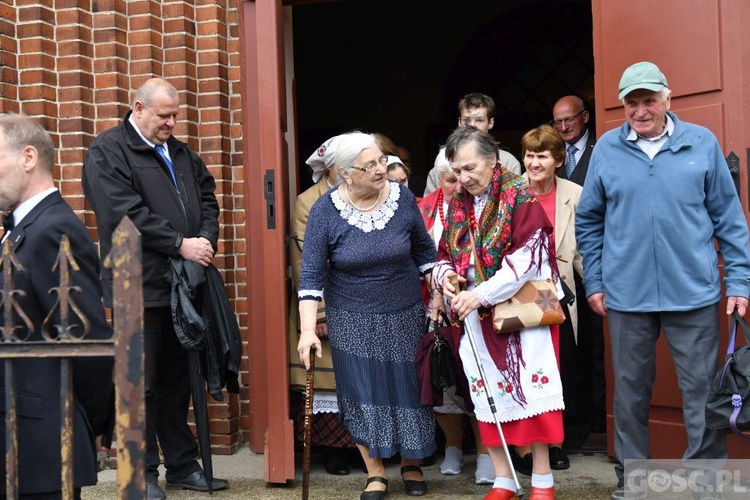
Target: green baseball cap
x,y
642,75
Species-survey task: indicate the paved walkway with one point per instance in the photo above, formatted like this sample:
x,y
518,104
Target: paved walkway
x,y
590,477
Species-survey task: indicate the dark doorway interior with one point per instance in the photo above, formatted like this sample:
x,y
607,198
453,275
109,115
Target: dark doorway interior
x,y
399,68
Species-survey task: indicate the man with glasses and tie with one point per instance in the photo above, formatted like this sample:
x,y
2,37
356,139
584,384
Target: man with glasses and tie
x,y
141,170
569,117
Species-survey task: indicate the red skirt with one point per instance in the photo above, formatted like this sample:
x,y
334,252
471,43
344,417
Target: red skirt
x,y
542,428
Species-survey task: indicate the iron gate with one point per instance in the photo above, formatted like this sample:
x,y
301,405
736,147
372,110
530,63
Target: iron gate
x,y
126,346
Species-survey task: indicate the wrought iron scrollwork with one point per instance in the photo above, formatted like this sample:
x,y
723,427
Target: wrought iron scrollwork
x,y
9,265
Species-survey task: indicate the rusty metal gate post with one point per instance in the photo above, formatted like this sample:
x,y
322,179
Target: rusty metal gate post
x,y
127,346
130,386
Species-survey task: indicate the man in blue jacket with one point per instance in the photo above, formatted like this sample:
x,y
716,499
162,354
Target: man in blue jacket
x,y
657,195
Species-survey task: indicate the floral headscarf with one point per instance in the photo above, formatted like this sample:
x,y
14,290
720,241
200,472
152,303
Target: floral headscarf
x,y
508,222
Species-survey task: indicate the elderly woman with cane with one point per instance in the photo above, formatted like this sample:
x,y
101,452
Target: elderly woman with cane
x,y
498,237
366,246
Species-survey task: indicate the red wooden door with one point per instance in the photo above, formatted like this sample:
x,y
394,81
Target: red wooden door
x,y
266,201
700,45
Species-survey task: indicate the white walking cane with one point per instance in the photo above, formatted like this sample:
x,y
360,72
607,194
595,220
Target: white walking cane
x,y
490,398
491,402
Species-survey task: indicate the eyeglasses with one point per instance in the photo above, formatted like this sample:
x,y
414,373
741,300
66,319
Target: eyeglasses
x,y
567,121
383,161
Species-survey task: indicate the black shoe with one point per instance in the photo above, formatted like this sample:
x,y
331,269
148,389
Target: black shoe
x,y
197,482
335,462
523,464
558,460
427,461
413,487
374,495
153,491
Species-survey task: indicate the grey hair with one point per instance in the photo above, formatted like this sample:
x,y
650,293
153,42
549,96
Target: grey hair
x,y
485,144
21,131
349,148
442,165
149,88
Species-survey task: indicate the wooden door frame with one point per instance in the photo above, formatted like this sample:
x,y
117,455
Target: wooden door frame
x,y
263,102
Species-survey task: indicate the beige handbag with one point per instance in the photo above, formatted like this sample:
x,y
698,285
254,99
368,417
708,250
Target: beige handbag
x,y
535,304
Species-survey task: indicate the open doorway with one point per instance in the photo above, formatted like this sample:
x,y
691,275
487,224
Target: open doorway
x,y
400,68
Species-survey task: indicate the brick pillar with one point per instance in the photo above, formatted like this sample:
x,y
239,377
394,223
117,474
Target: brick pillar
x,y
8,58
76,116
74,64
216,147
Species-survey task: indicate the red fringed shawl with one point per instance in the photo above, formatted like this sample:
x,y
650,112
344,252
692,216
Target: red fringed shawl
x,y
511,220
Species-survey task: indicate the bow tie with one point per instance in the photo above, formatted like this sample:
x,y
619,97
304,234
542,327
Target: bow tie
x,y
8,222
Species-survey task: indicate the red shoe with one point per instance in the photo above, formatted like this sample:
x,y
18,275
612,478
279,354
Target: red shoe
x,y
501,494
542,493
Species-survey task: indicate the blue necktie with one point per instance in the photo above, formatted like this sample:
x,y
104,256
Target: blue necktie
x,y
160,149
570,161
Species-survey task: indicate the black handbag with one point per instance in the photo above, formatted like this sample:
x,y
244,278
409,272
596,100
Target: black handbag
x,y
728,402
437,363
442,367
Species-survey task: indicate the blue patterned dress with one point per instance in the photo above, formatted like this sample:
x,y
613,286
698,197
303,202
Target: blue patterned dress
x,y
369,266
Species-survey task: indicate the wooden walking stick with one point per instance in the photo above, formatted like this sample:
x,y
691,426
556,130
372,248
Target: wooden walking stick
x,y
309,390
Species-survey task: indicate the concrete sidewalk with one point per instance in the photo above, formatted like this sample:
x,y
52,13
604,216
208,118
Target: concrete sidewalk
x,y
591,476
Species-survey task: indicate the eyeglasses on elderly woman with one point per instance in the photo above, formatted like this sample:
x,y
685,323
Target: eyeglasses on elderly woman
x,y
370,166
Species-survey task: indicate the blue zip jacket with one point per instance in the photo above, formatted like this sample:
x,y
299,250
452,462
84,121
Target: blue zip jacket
x,y
646,228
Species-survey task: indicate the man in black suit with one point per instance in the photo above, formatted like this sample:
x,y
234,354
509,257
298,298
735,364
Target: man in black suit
x,y
570,117
38,220
141,170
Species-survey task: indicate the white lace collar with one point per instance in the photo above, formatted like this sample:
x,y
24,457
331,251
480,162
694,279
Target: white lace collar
x,y
377,219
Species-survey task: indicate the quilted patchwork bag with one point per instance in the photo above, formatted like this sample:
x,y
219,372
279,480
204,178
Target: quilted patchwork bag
x,y
535,304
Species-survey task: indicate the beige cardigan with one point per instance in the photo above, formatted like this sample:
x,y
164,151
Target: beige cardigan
x,y
324,379
566,249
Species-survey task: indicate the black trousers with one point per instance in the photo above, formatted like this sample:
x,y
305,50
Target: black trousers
x,y
591,341
167,399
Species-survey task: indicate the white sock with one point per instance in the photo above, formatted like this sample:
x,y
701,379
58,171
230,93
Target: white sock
x,y
453,461
485,470
506,483
542,480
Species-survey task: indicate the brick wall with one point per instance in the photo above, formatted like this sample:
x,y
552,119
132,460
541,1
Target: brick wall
x,y
73,63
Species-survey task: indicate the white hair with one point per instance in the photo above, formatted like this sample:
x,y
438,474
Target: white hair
x,y
349,148
442,165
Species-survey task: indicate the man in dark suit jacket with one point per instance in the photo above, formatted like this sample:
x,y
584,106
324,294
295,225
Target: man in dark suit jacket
x,y
569,117
40,218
